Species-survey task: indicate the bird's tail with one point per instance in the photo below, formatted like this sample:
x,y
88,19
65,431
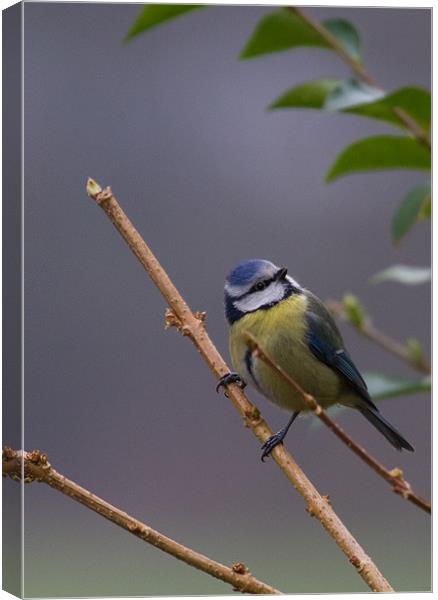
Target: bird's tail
x,y
392,435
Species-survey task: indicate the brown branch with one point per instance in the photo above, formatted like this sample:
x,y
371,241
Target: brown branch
x,y
34,466
360,71
355,65
394,477
367,329
192,325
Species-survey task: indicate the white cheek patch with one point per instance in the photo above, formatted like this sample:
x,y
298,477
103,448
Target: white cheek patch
x,y
273,293
293,282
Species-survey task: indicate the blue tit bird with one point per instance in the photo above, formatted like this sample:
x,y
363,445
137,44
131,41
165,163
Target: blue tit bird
x,y
296,330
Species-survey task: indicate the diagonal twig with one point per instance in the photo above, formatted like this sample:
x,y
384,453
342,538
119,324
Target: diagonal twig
x,y
367,329
192,325
394,477
34,466
360,71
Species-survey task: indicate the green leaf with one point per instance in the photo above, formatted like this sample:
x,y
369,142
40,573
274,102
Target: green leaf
x,y
354,311
155,14
285,29
281,30
346,35
384,386
349,93
415,101
311,94
404,274
380,152
426,210
415,351
410,210
355,97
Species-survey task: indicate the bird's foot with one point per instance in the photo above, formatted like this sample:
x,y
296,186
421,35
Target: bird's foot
x,y
271,443
278,437
230,378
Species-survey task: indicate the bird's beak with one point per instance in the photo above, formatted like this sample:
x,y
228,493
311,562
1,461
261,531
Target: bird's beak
x,y
281,274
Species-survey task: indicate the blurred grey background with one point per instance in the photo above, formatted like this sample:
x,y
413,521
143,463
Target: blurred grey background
x,y
178,127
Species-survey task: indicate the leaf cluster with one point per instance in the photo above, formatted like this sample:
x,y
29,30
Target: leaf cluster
x,y
408,110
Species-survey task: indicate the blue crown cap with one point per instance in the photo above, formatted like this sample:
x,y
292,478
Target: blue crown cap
x,y
245,272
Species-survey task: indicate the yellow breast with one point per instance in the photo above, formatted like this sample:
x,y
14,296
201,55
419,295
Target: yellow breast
x,y
281,332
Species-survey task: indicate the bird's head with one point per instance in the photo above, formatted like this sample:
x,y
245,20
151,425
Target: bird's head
x,y
256,284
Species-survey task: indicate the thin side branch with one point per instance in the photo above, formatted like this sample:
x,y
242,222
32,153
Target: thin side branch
x,y
357,68
394,477
192,325
34,466
360,71
368,330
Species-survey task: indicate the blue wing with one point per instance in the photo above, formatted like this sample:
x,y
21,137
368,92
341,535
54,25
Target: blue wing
x,y
325,342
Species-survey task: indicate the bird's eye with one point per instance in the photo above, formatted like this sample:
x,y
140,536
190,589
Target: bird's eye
x,y
260,286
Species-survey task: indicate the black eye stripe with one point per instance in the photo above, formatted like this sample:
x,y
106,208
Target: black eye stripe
x,y
261,285
254,289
